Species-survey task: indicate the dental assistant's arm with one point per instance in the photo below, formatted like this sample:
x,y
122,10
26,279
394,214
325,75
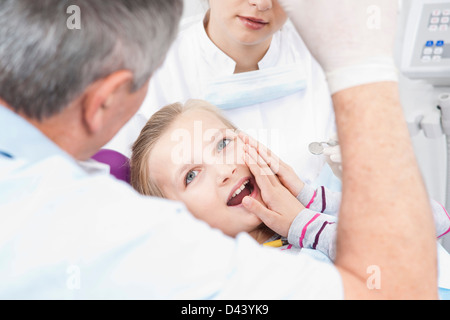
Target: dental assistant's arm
x,y
385,220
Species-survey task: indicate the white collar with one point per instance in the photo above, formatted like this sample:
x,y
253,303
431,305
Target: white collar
x,y
217,59
93,167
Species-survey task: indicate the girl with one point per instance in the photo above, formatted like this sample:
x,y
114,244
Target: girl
x,y
243,57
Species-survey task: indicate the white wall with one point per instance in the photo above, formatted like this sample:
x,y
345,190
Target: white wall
x,y
194,7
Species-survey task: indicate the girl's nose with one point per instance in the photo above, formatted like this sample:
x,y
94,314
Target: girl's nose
x,y
225,172
261,5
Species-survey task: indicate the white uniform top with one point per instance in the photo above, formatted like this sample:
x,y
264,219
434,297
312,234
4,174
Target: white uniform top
x,y
67,234
286,125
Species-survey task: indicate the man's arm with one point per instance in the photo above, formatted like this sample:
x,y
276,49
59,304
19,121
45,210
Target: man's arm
x,y
385,220
375,228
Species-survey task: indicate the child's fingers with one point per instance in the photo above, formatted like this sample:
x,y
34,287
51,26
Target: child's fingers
x,y
269,157
244,137
265,152
284,175
264,168
270,218
254,143
262,180
266,215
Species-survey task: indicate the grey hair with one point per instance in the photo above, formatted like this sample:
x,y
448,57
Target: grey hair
x,y
44,65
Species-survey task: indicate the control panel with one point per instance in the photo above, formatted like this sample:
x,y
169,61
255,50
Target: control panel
x,y
426,50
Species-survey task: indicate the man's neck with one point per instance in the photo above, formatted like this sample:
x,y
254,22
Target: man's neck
x,y
53,130
64,131
3,103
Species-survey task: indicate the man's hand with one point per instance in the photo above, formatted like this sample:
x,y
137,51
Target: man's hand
x,y
353,40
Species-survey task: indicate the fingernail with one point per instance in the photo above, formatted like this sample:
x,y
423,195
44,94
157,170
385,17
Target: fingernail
x,y
247,201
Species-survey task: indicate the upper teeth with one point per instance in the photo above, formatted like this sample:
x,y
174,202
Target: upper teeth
x,y
239,190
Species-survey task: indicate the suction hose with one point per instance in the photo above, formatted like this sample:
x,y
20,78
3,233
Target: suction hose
x,y
444,105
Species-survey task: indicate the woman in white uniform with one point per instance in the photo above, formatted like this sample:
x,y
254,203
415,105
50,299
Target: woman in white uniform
x,y
245,58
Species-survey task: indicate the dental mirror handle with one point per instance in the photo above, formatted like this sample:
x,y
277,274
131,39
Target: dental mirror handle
x,y
317,148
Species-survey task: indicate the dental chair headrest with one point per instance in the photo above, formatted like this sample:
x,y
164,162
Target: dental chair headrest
x,y
119,164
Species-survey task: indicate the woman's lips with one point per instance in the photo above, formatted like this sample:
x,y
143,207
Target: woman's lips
x,y
253,23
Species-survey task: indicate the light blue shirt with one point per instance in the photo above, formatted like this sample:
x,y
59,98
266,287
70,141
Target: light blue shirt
x,y
67,234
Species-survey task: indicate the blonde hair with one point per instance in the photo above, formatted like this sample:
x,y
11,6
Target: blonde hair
x,y
158,124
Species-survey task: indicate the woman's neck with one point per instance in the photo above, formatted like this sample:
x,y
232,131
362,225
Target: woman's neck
x,y
246,56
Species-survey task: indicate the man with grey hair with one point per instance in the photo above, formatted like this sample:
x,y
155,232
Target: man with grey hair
x,y
69,234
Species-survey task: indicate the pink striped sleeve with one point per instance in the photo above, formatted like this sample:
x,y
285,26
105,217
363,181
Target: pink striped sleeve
x,y
448,216
305,228
312,200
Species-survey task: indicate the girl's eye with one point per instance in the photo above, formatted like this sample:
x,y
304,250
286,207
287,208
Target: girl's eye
x,y
222,144
191,175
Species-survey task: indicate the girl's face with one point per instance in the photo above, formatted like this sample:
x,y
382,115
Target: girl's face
x,y
199,161
247,21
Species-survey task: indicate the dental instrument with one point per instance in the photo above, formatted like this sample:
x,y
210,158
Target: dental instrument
x,y
317,148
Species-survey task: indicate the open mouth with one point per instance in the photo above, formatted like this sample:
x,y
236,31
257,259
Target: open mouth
x,y
243,190
253,23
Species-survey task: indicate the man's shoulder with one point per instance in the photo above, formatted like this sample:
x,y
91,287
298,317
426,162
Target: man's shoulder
x,y
58,201
59,180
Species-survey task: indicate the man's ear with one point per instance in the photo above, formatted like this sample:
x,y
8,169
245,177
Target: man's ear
x,y
101,96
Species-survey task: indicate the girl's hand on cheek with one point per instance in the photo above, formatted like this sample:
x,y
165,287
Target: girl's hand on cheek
x,y
282,206
284,172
